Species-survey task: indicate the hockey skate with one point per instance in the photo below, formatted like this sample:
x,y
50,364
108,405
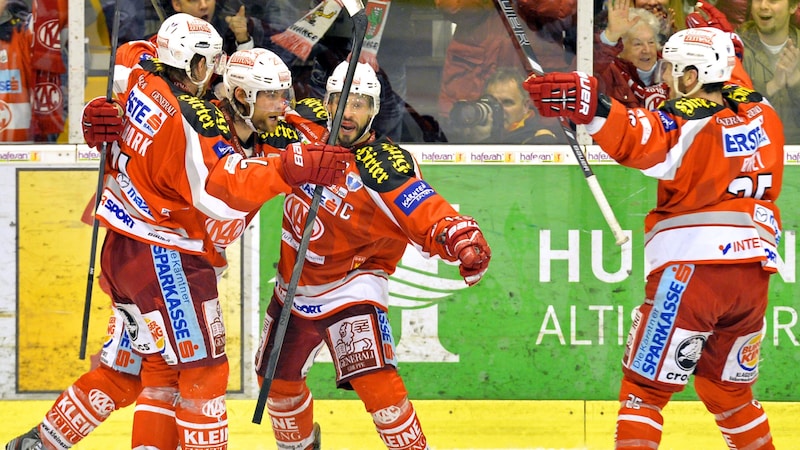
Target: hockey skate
x,y
28,441
317,445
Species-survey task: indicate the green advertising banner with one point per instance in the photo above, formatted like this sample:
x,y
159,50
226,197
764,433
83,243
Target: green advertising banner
x,y
550,318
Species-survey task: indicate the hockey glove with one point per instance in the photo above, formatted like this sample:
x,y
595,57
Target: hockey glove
x,y
102,122
706,15
463,239
651,96
572,95
314,163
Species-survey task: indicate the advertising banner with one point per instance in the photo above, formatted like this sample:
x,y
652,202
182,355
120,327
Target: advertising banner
x,y
550,319
53,264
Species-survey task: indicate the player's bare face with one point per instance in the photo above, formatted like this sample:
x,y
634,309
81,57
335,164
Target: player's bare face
x,y
203,9
772,16
639,47
269,107
512,99
356,118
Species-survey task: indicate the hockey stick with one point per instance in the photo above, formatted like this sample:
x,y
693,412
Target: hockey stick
x,y
87,305
356,10
528,57
159,9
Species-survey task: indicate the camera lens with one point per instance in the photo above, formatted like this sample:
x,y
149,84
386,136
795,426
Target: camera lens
x,y
468,114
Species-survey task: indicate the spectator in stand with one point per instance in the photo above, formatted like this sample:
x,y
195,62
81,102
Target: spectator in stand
x,y
662,9
16,77
238,30
131,18
505,101
625,57
481,44
772,59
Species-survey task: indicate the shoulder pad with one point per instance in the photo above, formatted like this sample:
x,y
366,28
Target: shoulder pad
x,y
312,109
204,117
739,94
691,108
383,165
283,135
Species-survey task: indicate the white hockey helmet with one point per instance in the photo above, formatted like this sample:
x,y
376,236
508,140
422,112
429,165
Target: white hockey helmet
x,y
182,36
365,82
257,70
710,50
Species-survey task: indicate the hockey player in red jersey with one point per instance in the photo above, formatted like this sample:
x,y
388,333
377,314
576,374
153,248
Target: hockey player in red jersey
x,y
716,149
363,227
199,405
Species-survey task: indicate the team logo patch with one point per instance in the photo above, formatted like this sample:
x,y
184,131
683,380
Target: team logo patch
x,y
667,122
355,346
353,182
688,352
222,148
178,300
744,140
413,196
742,363
659,327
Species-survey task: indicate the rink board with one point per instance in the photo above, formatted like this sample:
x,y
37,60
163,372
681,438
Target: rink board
x,y
53,267
550,318
448,425
548,322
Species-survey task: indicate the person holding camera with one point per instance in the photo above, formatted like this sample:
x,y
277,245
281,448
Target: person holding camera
x,y
238,31
503,114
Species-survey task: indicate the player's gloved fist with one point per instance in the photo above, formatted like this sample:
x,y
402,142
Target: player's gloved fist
x,y
314,163
651,96
463,239
572,95
102,122
706,15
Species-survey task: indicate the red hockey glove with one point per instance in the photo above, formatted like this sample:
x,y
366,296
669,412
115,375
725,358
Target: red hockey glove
x,y
706,15
464,240
102,122
572,95
651,97
314,163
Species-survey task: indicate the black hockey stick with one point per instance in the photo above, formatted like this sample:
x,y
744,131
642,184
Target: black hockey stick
x,y
529,61
159,9
356,10
87,305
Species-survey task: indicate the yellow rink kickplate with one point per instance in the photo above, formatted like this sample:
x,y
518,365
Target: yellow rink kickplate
x,y
449,425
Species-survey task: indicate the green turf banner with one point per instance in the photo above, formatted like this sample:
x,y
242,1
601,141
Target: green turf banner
x,y
550,319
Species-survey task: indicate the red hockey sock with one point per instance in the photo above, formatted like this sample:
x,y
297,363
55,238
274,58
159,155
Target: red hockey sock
x,y
746,428
154,419
85,405
291,410
385,397
639,420
202,413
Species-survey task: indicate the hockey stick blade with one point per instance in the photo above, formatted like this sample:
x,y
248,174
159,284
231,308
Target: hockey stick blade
x,y
359,32
514,27
87,305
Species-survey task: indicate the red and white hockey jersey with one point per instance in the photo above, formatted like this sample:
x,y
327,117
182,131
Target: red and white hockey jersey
x,y
719,171
156,177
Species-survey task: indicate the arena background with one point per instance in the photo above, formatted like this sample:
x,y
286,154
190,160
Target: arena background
x,y
528,359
